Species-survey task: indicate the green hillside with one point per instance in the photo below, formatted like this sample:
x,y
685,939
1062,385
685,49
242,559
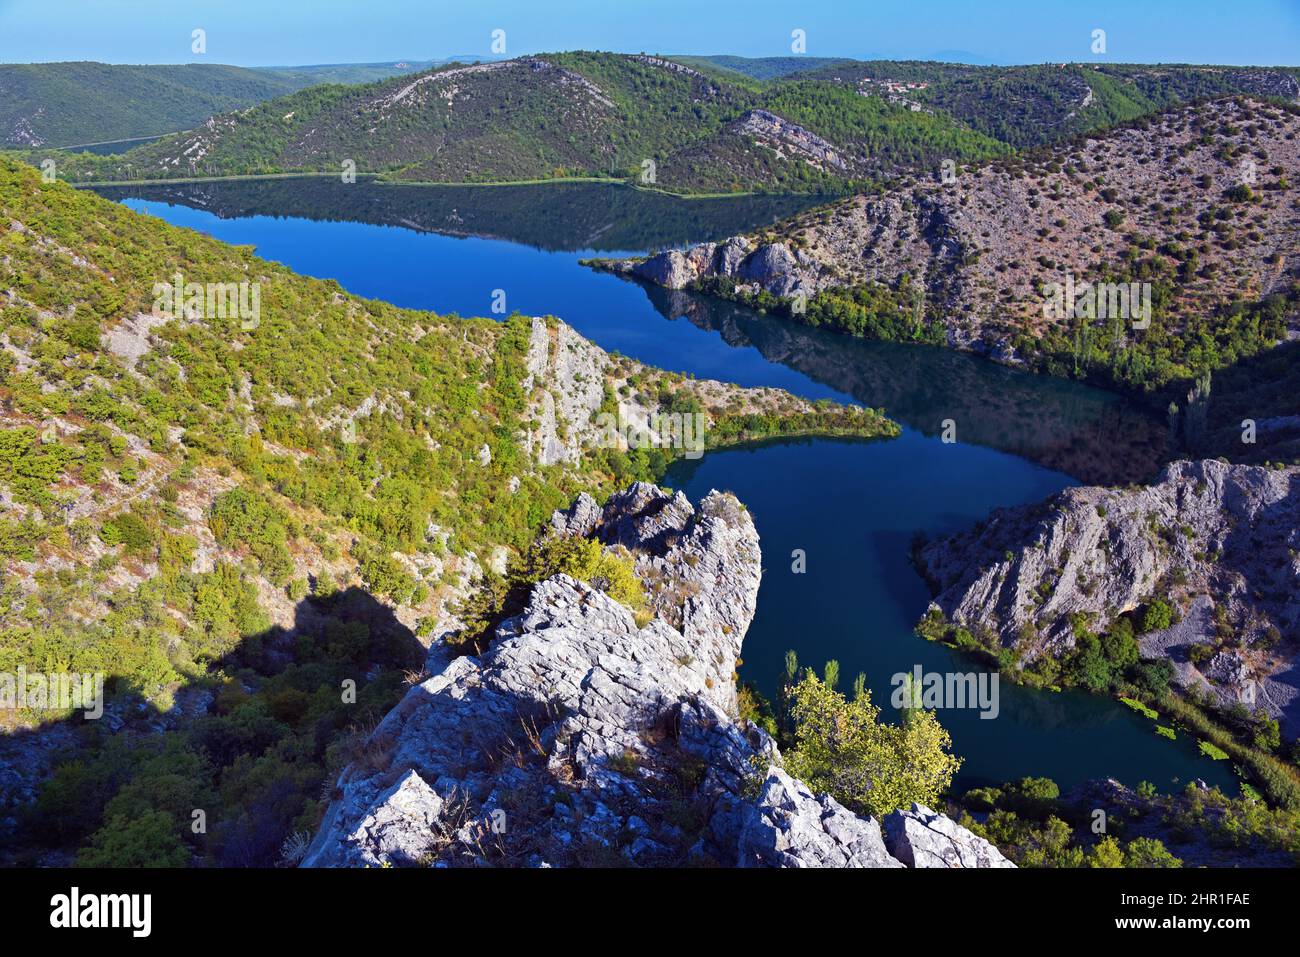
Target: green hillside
x,y
690,125
70,104
1025,106
232,513
563,116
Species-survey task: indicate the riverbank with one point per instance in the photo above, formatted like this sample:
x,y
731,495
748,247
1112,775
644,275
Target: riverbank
x,y
382,179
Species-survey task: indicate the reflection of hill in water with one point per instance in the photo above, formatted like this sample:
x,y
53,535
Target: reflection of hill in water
x,y
1097,437
560,217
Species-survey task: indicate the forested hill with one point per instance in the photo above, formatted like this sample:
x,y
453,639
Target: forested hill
x,y
637,118
72,104
693,124
1025,106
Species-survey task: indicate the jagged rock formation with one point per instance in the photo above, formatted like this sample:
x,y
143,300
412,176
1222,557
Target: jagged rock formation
x,y
784,137
1220,541
920,837
581,738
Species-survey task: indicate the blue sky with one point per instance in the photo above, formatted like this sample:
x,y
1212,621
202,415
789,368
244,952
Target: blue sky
x,y
279,32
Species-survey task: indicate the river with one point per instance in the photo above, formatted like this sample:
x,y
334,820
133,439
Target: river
x,y
850,508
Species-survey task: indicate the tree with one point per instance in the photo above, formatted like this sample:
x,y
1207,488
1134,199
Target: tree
x,y
843,748
150,840
1119,645
586,560
1106,854
1149,852
1268,735
1089,666
1157,616
1154,676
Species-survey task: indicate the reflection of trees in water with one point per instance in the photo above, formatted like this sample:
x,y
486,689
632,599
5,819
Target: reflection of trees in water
x,y
1093,435
560,217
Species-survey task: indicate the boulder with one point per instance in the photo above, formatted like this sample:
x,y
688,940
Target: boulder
x,y
670,268
921,838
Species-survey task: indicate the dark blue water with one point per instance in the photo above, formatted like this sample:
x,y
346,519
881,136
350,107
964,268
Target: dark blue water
x,y
460,275
852,507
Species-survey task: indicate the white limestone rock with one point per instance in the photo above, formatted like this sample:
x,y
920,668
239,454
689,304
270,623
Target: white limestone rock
x,y
920,837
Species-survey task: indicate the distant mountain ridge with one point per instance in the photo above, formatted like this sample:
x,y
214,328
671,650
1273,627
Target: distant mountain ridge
x,y
686,124
77,103
641,118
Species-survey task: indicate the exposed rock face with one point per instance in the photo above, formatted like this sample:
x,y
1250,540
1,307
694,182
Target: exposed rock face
x,y
788,826
785,137
920,837
1222,542
570,372
583,398
579,737
770,266
669,268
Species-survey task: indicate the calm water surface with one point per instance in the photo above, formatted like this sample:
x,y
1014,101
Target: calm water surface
x,y
853,507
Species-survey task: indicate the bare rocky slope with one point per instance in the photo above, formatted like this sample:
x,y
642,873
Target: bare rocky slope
x,y
1221,542
1199,201
580,738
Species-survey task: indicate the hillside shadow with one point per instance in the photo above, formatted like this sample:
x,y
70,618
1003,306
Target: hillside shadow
x,y
1264,389
256,739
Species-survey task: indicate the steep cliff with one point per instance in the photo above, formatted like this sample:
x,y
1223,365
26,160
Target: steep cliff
x,y
581,738
1219,542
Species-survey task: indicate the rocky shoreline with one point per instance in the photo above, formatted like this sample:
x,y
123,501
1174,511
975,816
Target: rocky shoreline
x,y
1220,543
980,244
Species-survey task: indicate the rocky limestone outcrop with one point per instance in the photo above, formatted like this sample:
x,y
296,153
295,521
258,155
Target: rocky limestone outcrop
x,y
1221,542
568,374
770,266
581,736
785,137
920,837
